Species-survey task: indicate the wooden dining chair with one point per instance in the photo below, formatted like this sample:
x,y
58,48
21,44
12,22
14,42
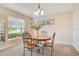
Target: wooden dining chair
x,y
50,44
44,33
27,42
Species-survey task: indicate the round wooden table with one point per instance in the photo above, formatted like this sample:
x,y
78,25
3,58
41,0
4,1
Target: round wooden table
x,y
41,38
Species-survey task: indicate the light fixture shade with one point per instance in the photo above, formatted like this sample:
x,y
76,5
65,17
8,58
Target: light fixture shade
x,y
35,13
42,12
38,11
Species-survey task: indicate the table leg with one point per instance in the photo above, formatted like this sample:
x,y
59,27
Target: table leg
x,y
38,49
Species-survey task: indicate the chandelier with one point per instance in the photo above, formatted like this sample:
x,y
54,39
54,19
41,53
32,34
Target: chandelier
x,y
39,11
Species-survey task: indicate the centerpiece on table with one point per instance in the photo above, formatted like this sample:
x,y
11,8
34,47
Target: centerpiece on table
x,y
37,27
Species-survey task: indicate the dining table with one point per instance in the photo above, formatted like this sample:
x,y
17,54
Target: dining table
x,y
40,39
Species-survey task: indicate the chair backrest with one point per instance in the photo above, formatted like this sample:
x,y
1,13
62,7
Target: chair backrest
x,y
44,33
53,38
25,37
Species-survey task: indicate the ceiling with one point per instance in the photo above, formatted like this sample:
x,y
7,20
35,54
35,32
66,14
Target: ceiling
x,y
29,8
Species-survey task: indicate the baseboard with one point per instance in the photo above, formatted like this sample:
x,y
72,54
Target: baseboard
x,y
63,43
76,47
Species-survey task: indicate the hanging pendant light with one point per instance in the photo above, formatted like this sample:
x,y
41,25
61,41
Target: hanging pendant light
x,y
39,11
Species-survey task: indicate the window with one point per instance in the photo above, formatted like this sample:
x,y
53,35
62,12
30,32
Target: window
x,y
15,27
2,38
1,26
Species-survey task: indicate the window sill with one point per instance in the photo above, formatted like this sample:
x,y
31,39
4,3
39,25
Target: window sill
x,y
15,38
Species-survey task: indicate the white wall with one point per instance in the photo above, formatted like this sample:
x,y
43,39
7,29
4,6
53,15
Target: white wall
x,y
76,27
63,27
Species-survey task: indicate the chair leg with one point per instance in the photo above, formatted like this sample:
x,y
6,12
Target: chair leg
x,y
43,51
46,48
51,51
31,52
24,52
